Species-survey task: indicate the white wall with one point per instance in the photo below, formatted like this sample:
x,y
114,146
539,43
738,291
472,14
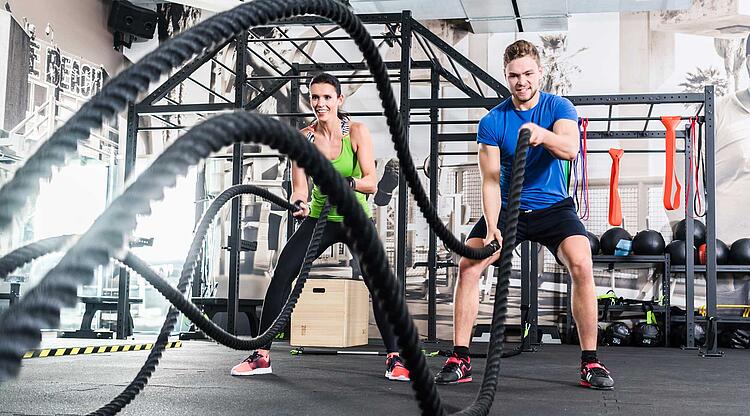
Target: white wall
x,y
80,27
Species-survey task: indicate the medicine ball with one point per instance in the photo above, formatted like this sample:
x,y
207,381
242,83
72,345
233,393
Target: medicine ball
x,y
699,232
601,336
646,335
740,252
611,237
593,243
617,333
735,338
722,253
678,335
648,243
676,250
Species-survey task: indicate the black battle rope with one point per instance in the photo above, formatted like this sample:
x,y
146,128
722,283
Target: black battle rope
x,y
125,87
40,307
200,142
26,254
30,252
201,39
483,402
180,303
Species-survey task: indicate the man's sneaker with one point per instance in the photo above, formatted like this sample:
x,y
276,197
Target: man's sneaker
x,y
455,370
253,365
395,369
596,376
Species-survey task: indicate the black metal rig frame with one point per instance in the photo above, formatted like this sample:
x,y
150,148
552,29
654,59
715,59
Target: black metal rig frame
x,y
706,123
706,120
251,91
529,263
484,92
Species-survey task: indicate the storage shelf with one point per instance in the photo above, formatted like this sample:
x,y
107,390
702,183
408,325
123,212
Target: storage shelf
x,y
719,319
720,268
629,259
632,308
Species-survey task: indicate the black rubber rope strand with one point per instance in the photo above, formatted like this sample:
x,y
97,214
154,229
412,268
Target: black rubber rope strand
x,y
30,252
467,254
20,325
185,148
483,402
181,304
22,256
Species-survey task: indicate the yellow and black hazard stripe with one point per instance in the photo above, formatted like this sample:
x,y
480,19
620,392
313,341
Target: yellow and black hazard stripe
x,y
100,349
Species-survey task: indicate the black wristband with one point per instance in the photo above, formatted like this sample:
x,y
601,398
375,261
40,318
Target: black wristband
x,y
352,183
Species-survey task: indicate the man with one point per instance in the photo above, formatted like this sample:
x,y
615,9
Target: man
x,y
547,212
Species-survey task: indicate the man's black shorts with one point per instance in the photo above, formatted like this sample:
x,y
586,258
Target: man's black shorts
x,y
547,226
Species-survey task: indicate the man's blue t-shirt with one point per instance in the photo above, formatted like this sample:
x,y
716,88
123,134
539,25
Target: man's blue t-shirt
x,y
545,183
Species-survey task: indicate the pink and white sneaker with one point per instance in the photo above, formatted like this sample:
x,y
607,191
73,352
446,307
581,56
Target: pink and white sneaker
x,y
255,364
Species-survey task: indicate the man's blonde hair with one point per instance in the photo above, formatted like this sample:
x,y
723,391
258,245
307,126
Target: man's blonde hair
x,y
519,49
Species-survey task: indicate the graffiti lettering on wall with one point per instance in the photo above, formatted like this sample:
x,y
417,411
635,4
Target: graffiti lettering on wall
x,y
69,73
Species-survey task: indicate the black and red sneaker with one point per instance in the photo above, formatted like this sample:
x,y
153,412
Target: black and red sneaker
x,y
595,375
456,370
395,369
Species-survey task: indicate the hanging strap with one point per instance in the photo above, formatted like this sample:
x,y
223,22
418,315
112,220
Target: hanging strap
x,y
701,166
695,167
585,169
650,317
574,173
671,181
580,166
615,208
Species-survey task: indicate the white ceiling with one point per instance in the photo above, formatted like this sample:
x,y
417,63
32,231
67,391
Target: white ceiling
x,y
490,16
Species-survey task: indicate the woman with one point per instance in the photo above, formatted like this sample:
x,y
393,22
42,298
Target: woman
x,y
348,146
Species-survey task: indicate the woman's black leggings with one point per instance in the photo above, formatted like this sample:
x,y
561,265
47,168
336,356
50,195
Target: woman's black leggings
x,y
289,265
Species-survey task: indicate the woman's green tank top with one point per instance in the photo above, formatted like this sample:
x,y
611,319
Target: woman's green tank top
x,y
346,164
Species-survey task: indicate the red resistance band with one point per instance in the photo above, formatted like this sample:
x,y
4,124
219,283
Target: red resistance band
x,y
671,182
615,208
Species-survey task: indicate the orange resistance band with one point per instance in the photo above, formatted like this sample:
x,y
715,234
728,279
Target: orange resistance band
x,y
671,196
615,209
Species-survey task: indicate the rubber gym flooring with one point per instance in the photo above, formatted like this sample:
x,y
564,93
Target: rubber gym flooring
x,y
194,380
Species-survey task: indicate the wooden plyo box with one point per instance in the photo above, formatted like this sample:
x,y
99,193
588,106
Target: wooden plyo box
x,y
331,312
